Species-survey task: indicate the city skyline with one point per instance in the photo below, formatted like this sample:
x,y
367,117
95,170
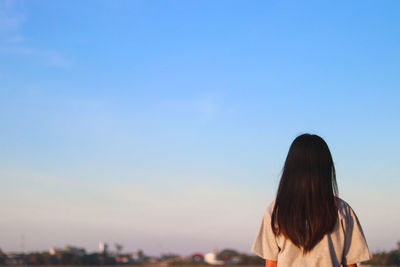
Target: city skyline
x,y
165,125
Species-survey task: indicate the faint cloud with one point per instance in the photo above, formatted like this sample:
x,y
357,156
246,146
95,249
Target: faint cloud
x,y
47,57
206,106
55,59
9,20
14,39
13,42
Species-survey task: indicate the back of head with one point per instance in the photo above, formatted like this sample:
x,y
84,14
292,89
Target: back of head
x,y
305,206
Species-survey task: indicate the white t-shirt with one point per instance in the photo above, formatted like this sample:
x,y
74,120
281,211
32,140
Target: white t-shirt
x,y
345,245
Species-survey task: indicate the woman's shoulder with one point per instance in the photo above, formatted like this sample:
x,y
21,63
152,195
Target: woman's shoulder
x,y
344,208
269,209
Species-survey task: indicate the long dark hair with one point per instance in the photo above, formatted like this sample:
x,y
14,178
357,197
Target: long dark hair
x,y
305,206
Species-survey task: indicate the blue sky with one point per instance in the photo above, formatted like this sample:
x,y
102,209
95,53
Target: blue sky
x,y
163,125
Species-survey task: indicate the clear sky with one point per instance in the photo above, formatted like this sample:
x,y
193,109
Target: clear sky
x,y
164,125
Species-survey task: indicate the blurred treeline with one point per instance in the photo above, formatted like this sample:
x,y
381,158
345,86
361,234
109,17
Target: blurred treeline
x,y
80,257
66,257
386,258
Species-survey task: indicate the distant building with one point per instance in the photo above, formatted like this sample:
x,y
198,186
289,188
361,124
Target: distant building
x,y
55,251
14,259
211,258
197,258
138,256
123,259
103,247
152,260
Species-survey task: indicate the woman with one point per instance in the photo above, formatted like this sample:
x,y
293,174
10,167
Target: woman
x,y
307,224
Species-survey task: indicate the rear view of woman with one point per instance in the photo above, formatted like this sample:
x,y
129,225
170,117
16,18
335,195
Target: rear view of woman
x,y
308,224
